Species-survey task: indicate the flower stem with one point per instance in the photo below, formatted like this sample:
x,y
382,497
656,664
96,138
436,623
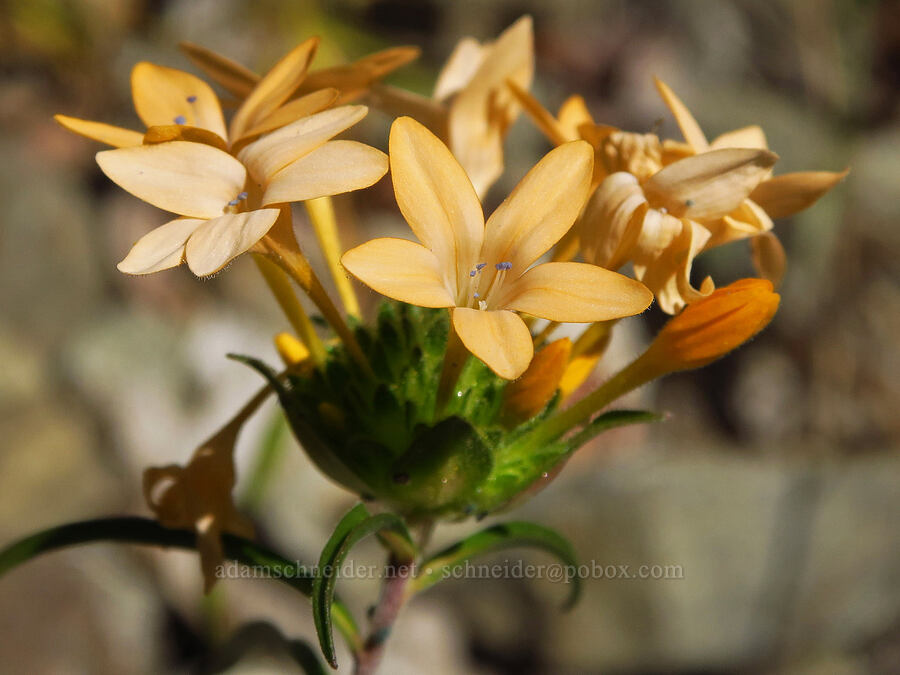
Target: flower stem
x,y
393,596
321,215
454,361
281,288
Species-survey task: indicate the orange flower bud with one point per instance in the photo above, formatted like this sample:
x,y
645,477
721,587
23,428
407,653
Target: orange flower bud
x,y
713,326
526,397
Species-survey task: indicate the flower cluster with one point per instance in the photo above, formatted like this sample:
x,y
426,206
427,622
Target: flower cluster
x,y
394,409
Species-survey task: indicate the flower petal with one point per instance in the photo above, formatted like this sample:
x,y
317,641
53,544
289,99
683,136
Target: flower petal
x,y
576,292
745,137
354,79
274,88
181,132
769,257
543,119
710,184
190,179
691,131
161,248
482,112
105,133
785,195
273,152
169,96
221,239
499,338
573,113
331,169
459,68
310,104
400,269
231,75
541,209
612,220
436,198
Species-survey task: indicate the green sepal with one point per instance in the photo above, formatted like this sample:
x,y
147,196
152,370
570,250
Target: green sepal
x,y
497,538
354,526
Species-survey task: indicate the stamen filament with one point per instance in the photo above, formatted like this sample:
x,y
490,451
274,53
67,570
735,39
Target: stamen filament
x,y
321,215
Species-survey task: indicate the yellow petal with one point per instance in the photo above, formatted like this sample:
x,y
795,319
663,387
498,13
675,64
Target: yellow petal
x,y
745,137
161,248
482,112
769,257
575,292
436,198
190,179
169,96
354,79
234,78
331,169
292,111
748,220
274,88
181,132
273,152
541,209
543,119
587,351
221,239
530,394
397,102
459,68
105,133
499,338
785,195
572,115
612,220
686,122
400,269
710,184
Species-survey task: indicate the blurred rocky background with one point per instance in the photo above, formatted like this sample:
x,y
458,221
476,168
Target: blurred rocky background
x,y
774,484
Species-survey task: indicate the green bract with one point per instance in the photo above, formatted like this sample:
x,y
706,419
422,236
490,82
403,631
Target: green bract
x,y
381,436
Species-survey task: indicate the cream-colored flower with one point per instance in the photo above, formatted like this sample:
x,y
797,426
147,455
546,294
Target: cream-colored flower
x,y
484,271
659,223
175,105
227,204
472,108
774,197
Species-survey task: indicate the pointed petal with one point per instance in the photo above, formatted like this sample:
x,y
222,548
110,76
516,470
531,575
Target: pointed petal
x,y
686,122
310,104
575,292
612,220
499,338
710,184
331,169
274,88
574,113
169,96
105,133
541,209
785,195
221,239
436,198
273,152
745,137
543,119
190,179
181,132
400,269
231,75
353,80
397,102
748,220
769,257
482,112
161,248
459,68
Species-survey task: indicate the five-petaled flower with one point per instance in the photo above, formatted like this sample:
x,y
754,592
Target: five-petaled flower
x,y
484,270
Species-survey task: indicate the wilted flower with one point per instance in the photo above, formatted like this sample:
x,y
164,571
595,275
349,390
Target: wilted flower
x,y
483,271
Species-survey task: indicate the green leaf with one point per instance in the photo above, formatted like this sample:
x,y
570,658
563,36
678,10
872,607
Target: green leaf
x,y
134,530
354,526
498,538
611,420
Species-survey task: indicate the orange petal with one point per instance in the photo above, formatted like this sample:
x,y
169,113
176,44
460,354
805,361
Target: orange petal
x,y
530,394
769,257
499,338
400,269
310,104
231,75
686,122
353,80
169,96
543,119
105,133
181,132
785,195
219,240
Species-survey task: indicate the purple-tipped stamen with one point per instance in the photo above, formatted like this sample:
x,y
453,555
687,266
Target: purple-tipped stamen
x,y
181,119
501,266
191,99
242,195
480,266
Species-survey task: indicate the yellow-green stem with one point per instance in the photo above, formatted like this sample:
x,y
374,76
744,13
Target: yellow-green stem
x,y
324,222
281,288
292,261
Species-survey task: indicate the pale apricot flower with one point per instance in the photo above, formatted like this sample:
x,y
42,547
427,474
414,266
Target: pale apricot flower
x,y
484,271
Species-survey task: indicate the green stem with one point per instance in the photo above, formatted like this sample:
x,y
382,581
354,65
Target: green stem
x,y
135,530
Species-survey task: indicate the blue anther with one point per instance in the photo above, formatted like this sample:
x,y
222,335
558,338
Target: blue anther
x,y
234,202
476,295
242,195
503,266
181,119
480,266
191,99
